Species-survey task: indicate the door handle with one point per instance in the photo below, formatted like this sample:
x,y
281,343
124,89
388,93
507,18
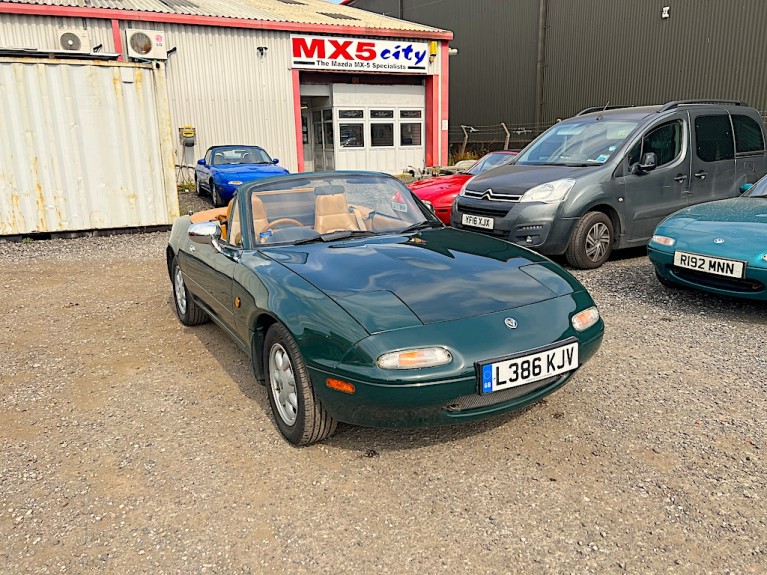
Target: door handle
x,y
680,178
701,175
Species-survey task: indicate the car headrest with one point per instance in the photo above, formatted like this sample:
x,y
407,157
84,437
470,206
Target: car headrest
x,y
329,190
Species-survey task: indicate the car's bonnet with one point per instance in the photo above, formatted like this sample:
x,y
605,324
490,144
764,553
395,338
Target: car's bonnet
x,y
433,188
741,220
437,275
250,169
516,179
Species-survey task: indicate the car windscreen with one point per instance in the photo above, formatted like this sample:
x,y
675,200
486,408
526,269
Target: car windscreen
x,y
333,206
579,142
240,155
491,160
758,190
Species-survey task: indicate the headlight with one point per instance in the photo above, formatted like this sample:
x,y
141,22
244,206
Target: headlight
x,y
550,192
234,183
663,240
764,258
583,320
415,358
463,188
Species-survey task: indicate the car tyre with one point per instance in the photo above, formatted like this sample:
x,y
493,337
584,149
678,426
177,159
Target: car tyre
x,y
218,201
187,310
299,415
591,241
198,187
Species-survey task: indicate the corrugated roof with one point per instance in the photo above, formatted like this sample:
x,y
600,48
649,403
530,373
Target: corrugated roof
x,y
319,12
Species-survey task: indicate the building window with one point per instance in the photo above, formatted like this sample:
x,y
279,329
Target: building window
x,y
381,114
381,135
352,135
410,114
351,114
410,134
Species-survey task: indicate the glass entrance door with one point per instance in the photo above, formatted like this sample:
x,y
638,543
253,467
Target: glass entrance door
x,y
324,150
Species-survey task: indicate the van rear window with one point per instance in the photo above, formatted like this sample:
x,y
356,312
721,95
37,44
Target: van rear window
x,y
748,134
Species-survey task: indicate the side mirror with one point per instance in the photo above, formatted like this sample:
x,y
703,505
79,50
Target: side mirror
x,y
201,162
745,187
647,164
275,161
206,233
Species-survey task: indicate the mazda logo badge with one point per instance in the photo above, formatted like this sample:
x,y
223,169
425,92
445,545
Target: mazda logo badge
x,y
510,322
719,241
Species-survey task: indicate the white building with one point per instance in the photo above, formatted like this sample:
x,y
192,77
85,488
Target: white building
x,y
95,92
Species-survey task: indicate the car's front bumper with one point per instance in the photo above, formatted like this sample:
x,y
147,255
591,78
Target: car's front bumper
x,y
533,225
431,403
752,286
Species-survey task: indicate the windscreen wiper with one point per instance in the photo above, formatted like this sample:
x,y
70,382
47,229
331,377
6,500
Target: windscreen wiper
x,y
419,226
332,236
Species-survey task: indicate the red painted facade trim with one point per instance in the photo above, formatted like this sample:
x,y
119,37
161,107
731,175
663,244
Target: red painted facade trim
x,y
111,14
431,111
445,92
117,39
297,113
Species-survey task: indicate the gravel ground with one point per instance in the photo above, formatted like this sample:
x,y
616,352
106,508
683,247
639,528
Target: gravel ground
x,y
131,444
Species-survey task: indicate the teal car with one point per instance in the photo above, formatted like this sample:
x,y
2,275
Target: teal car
x,y
717,247
355,303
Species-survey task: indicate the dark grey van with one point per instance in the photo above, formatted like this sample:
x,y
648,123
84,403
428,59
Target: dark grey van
x,y
605,178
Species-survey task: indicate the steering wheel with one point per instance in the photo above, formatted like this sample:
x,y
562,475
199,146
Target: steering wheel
x,y
281,221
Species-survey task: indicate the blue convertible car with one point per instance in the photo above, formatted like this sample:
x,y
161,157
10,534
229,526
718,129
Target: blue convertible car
x,y
718,247
225,167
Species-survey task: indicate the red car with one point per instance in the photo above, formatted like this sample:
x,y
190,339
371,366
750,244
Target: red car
x,y
441,190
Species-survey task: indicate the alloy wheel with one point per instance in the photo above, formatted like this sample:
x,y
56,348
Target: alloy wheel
x,y
597,242
180,291
283,382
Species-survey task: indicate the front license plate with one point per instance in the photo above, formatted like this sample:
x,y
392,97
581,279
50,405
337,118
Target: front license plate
x,y
707,264
477,221
527,368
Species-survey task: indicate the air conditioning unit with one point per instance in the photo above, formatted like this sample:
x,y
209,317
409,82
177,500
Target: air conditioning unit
x,y
74,41
146,44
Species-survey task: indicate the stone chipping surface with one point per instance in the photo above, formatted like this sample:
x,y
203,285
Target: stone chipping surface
x,y
131,444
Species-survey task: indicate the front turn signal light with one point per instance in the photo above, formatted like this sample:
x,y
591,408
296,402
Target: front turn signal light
x,y
583,320
663,240
415,358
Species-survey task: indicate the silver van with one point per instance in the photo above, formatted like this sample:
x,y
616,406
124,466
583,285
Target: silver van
x,y
605,178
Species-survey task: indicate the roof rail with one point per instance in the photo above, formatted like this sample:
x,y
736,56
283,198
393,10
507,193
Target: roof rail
x,y
676,103
601,109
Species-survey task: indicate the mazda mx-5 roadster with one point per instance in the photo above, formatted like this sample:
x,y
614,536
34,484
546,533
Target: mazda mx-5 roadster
x,y
356,304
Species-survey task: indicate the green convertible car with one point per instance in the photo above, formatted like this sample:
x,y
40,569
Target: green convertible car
x,y
356,304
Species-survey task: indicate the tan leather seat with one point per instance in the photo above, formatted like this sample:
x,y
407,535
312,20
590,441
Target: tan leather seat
x,y
331,214
260,221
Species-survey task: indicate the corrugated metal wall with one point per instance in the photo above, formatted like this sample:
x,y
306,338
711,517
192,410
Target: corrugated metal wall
x,y
492,78
218,83
85,145
41,32
632,55
597,51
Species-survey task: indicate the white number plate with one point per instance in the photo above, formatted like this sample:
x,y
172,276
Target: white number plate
x,y
535,366
477,221
717,266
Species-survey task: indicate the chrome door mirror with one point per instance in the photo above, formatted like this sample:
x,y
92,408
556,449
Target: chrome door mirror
x,y
206,233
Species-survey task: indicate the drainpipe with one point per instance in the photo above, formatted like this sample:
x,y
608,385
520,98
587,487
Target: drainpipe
x,y
540,64
401,9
